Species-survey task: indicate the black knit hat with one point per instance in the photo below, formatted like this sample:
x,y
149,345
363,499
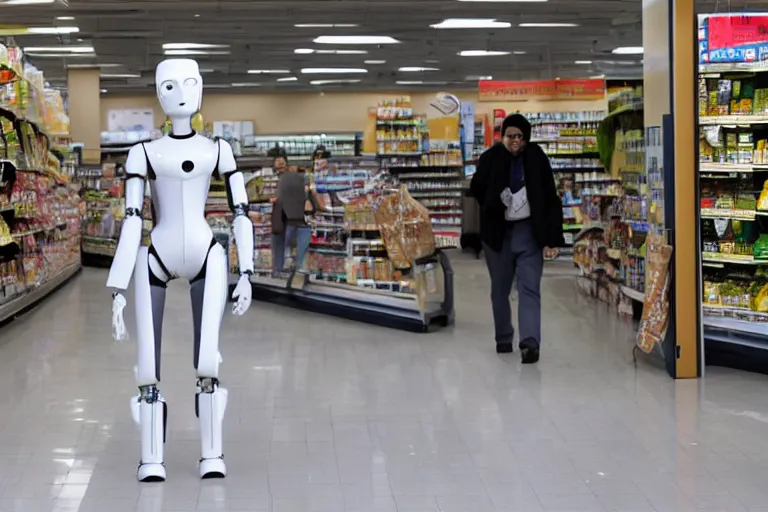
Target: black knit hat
x,y
518,121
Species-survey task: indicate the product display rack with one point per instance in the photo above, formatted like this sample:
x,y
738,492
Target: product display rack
x,y
350,273
39,208
733,181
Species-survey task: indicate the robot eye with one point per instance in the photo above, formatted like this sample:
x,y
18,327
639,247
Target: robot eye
x,y
166,86
190,82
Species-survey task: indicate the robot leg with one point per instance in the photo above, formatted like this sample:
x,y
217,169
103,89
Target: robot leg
x,y
209,297
149,409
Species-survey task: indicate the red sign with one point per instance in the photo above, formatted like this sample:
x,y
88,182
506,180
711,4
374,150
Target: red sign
x,y
735,31
568,89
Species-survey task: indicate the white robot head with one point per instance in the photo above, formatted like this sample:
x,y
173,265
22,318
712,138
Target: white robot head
x,y
179,87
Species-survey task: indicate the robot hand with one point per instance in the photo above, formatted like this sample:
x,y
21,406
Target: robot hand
x,y
242,295
119,331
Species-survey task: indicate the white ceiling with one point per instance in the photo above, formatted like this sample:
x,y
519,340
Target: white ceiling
x,y
261,35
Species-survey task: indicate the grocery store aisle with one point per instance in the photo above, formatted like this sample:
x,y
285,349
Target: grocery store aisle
x,y
331,415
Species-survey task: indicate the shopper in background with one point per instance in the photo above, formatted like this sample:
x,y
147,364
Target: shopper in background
x,y
297,205
279,165
521,223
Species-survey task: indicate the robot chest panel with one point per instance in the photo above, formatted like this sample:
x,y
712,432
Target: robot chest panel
x,y
183,159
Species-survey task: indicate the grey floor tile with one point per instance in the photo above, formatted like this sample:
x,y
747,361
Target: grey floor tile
x,y
332,415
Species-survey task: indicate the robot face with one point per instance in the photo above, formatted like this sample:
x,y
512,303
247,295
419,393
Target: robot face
x,y
179,87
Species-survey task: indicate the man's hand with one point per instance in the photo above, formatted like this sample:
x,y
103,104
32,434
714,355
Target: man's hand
x,y
550,253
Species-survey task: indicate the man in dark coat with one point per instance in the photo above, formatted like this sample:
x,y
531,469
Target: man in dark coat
x,y
521,223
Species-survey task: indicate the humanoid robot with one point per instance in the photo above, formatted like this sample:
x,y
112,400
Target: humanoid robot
x,y
179,167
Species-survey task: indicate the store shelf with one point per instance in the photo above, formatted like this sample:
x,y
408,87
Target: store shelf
x,y
708,167
732,324
719,213
732,120
739,259
15,306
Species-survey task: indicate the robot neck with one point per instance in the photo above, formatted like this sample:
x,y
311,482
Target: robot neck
x,y
181,126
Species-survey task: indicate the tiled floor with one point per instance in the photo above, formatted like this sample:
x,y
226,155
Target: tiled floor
x,y
334,416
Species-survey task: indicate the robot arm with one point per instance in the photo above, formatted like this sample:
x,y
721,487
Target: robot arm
x,y
241,225
130,235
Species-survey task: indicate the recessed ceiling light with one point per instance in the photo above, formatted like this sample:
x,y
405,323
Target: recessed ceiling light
x,y
304,51
246,84
415,69
196,52
25,2
268,71
628,50
471,23
192,46
326,25
332,71
120,75
478,77
197,15
329,82
356,40
548,25
65,18
103,91
59,49
583,62
288,79
375,62
481,53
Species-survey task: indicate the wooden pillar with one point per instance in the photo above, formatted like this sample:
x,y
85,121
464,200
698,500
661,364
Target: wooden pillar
x,y
84,90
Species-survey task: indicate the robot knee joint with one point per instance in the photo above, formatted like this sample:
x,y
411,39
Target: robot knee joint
x,y
149,394
207,384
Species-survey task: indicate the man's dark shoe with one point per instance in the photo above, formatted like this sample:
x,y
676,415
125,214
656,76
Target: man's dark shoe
x,y
530,355
504,348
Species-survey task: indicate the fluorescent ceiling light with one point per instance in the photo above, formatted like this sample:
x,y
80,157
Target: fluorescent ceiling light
x,y
246,84
329,82
215,86
120,75
51,55
628,50
415,69
548,25
307,51
268,71
59,49
326,25
518,53
20,31
481,53
583,62
478,77
25,2
418,82
375,62
334,71
355,40
65,18
288,79
192,46
92,66
471,23
196,52
103,91
502,1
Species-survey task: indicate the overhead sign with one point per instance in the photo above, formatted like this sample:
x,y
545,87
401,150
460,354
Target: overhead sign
x,y
725,38
565,89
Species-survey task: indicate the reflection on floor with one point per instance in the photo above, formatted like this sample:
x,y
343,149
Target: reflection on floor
x,y
332,415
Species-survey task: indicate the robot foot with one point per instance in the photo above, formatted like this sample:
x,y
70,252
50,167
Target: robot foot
x,y
213,468
151,473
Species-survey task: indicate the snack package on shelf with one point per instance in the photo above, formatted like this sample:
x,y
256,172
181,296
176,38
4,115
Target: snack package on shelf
x,y
653,325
